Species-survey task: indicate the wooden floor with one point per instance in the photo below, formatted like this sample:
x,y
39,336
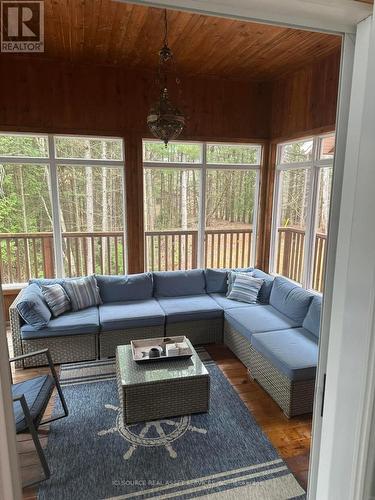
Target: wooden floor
x,y
291,437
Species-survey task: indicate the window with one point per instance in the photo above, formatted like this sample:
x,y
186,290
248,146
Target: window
x,y
301,209
200,204
61,206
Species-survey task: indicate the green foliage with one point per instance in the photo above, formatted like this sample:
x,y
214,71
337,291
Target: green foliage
x,y
230,154
297,152
91,199
174,152
233,154
24,203
81,148
294,196
18,145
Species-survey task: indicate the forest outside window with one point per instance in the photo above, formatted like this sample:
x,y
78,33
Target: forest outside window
x,y
200,204
301,209
61,206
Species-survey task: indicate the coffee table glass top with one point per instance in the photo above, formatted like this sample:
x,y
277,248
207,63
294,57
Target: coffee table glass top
x,y
132,373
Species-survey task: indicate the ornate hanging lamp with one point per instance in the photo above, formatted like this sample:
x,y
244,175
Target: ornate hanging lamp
x,y
165,120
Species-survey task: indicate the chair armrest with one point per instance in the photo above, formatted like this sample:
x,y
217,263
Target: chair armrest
x,y
30,355
38,353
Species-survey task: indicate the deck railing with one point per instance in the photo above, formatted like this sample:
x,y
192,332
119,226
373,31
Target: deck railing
x,y
27,255
170,250
94,252
228,247
31,255
290,255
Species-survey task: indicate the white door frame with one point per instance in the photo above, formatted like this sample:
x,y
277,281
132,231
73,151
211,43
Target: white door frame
x,y
347,57
349,395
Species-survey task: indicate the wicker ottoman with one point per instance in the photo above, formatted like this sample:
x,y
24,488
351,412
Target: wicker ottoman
x,y
160,389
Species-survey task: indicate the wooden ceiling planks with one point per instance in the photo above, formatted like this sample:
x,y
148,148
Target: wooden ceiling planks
x,y
113,33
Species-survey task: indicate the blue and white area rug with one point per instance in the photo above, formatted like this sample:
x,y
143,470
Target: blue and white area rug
x,y
222,454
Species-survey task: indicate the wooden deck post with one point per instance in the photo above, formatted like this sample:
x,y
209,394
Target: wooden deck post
x,y
134,203
48,263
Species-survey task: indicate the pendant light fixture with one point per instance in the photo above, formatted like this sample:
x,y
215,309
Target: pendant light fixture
x,y
165,120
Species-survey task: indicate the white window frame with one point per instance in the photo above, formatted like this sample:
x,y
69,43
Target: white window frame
x,y
53,162
203,166
313,167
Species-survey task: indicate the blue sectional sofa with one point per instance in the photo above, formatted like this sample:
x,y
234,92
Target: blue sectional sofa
x,y
276,338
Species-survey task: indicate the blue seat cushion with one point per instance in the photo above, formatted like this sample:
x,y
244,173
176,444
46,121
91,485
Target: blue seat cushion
x,y
293,352
191,308
312,319
290,299
255,318
222,300
70,323
37,392
124,288
216,280
130,314
33,308
179,283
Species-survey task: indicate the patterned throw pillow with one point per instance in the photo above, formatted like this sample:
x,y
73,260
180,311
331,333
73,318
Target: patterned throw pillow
x,y
83,292
232,275
32,307
56,298
245,289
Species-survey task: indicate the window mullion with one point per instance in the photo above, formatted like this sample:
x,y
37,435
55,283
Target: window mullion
x,y
275,222
253,246
202,209
125,211
310,226
56,223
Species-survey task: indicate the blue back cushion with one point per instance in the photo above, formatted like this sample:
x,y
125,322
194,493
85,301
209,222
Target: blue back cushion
x,y
312,320
290,299
265,291
216,280
46,281
124,288
33,308
179,283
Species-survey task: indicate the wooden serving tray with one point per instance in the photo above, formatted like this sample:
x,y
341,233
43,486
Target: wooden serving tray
x,y
141,348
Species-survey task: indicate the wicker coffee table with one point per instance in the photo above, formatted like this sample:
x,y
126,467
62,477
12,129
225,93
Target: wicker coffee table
x,y
160,389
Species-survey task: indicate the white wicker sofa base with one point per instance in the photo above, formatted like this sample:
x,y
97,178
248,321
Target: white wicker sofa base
x,y
108,341
204,331
63,348
293,397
